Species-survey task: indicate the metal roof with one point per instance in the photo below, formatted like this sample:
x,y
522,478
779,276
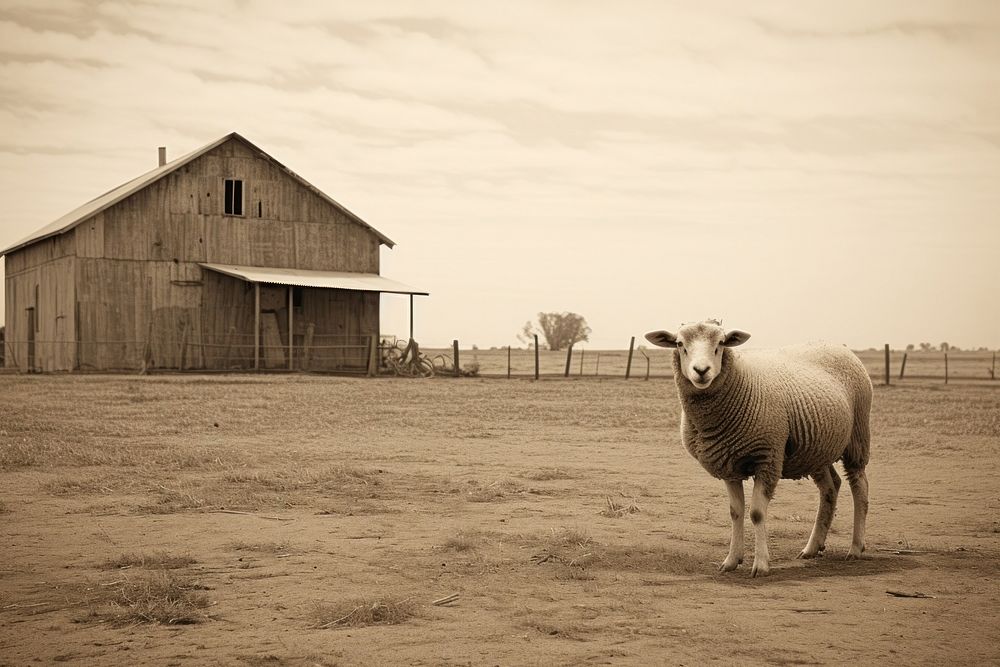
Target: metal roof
x,y
108,199
363,282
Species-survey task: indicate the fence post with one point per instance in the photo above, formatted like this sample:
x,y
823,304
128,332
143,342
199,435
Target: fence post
x,y
647,362
372,355
993,369
536,356
307,346
946,368
458,369
597,371
628,367
902,368
582,353
887,364
569,358
508,362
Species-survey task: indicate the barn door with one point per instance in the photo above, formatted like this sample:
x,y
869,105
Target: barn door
x,y
31,340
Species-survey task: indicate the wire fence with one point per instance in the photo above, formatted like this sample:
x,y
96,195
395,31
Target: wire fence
x,y
231,352
355,354
642,363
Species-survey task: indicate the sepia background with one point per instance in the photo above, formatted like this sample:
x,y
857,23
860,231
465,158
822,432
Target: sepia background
x,y
802,170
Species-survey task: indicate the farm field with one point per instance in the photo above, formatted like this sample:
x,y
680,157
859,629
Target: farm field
x,y
300,520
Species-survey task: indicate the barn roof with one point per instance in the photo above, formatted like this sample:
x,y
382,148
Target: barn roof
x,y
112,197
361,282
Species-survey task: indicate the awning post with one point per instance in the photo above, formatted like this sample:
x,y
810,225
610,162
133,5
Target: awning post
x,y
291,330
256,326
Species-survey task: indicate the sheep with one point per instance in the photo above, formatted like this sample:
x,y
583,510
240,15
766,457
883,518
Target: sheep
x,y
773,414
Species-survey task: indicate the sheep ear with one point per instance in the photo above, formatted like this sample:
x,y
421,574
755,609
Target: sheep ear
x,y
736,337
662,338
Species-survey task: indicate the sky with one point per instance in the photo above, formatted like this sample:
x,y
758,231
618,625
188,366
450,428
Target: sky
x,y
802,170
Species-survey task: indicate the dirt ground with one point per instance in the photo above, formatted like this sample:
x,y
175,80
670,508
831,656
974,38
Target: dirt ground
x,y
296,520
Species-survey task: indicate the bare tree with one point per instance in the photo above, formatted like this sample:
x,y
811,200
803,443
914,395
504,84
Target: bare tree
x,y
910,348
527,335
944,347
560,330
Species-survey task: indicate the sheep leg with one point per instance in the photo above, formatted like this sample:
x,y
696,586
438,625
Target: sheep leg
x,y
828,483
763,491
737,503
859,490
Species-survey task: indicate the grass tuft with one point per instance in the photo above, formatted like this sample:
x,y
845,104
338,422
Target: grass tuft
x,y
498,490
548,474
14,455
363,612
259,547
619,508
157,597
67,486
159,560
463,541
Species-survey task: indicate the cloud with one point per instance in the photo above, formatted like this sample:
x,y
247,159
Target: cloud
x,y
617,140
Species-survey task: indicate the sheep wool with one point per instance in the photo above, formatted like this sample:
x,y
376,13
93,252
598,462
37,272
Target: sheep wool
x,y
773,414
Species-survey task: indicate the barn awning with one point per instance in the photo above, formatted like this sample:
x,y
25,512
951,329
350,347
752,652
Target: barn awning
x,y
362,282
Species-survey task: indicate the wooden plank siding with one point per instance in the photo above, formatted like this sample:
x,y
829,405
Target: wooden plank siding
x,y
49,289
124,289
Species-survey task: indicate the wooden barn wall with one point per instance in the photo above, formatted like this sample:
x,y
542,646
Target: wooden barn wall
x,y
39,253
49,288
338,318
326,322
181,217
134,314
227,321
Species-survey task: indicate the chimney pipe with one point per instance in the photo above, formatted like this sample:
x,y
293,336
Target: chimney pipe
x,y
163,155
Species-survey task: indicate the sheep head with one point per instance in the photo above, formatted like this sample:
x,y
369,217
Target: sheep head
x,y
699,347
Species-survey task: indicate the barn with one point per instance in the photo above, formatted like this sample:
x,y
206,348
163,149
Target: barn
x,y
221,259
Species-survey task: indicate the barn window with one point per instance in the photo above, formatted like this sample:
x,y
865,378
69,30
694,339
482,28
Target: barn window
x,y
234,196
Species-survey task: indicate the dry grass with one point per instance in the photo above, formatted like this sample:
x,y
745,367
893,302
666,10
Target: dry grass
x,y
619,508
20,454
3,507
499,490
69,486
463,541
570,548
363,612
160,560
548,474
259,547
297,478
256,488
156,597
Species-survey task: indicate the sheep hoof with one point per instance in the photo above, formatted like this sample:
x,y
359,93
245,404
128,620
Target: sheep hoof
x,y
806,554
730,564
853,554
760,570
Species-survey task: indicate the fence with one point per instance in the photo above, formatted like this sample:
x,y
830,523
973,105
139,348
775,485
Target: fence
x,y
893,366
307,352
657,363
362,354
